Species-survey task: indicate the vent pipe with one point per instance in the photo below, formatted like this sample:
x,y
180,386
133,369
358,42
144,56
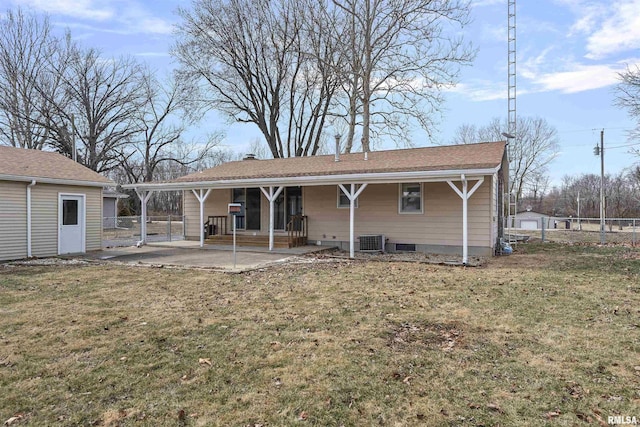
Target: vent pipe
x,y
337,136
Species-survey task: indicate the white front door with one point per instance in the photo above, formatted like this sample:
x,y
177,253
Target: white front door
x,y
71,224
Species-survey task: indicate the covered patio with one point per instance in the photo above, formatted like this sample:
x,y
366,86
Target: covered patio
x,y
400,179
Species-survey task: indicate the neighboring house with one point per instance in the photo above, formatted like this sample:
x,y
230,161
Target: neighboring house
x,y
110,199
49,205
531,220
442,199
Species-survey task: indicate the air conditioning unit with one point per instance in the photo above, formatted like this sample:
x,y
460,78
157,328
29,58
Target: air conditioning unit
x,y
372,243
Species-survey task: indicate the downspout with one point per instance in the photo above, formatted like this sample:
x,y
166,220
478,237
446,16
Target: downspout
x,y
33,182
465,227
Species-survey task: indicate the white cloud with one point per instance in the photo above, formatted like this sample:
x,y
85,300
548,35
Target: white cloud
x,y
618,33
579,79
115,16
610,27
481,3
155,26
480,90
153,54
84,9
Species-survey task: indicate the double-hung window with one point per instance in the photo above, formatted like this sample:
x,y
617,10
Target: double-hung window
x,y
410,200
343,200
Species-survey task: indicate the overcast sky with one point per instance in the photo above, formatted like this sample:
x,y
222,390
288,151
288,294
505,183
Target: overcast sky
x,y
569,54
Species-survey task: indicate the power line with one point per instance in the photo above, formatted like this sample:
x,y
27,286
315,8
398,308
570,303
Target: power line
x,y
624,145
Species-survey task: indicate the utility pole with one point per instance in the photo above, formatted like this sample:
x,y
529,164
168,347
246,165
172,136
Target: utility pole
x,y
599,150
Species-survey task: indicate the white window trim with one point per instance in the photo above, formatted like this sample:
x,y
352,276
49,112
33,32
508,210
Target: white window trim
x,y
347,206
421,211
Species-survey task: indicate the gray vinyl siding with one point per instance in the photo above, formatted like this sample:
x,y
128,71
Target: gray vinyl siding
x,y
13,220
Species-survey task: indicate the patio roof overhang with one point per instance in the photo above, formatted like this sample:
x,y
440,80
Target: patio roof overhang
x,y
356,178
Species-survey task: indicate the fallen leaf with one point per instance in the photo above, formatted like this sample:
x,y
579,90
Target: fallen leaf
x,y
11,421
494,407
596,413
303,416
552,414
407,380
583,417
123,358
206,361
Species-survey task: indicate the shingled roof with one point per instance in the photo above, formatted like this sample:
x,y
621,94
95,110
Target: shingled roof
x,y
19,164
478,156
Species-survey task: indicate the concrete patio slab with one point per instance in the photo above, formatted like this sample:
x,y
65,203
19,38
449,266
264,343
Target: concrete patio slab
x,y
189,254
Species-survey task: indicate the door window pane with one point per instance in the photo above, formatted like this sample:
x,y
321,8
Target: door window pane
x,y
69,212
252,208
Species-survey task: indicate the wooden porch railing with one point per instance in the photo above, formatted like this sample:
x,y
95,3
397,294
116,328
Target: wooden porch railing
x,y
297,230
215,225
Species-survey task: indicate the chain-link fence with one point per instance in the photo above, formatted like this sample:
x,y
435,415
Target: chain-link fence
x,y
125,230
577,230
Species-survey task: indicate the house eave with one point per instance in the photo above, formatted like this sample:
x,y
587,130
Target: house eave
x,y
371,178
42,180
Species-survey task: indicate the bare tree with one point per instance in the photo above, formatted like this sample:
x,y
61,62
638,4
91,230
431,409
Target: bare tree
x,y
402,54
466,134
535,146
258,62
628,96
167,110
104,100
27,51
535,190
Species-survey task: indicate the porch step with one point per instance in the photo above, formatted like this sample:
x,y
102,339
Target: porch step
x,y
245,240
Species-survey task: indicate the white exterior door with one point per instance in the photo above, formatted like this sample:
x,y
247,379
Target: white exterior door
x,y
71,224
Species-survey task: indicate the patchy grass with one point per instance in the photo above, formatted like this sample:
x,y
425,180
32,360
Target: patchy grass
x,y
548,336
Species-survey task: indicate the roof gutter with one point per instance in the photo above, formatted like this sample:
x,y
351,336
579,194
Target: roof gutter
x,y
22,178
29,253
372,178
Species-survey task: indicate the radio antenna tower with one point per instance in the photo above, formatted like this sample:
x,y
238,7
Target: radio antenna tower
x,y
512,114
511,58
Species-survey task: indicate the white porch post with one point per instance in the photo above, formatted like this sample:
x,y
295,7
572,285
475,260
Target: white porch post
x,y
271,197
465,195
201,198
144,196
29,251
352,196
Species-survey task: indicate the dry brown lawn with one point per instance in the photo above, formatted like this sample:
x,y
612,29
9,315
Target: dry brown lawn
x,y
548,336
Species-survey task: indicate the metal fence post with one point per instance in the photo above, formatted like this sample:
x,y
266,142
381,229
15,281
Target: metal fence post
x,y
633,239
543,228
169,227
